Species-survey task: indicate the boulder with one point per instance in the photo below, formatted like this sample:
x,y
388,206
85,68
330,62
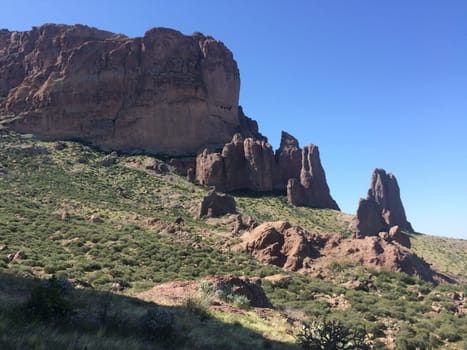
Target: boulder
x,y
163,93
248,287
382,209
281,244
216,204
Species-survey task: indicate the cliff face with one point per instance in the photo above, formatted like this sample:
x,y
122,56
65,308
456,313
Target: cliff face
x,y
162,93
250,164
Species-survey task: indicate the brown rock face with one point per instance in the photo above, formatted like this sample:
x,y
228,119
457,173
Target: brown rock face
x,y
293,248
162,93
312,189
382,209
279,243
243,164
289,159
217,204
368,218
250,164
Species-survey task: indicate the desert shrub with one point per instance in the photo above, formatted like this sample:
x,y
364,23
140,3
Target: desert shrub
x,y
197,306
323,334
157,322
206,287
48,301
241,301
449,333
409,339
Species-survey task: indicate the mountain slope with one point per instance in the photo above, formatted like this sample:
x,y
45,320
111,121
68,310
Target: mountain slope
x,y
108,221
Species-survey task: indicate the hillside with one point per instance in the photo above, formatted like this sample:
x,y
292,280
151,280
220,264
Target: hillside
x,y
107,222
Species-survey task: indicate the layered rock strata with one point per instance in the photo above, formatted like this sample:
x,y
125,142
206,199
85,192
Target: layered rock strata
x,y
163,93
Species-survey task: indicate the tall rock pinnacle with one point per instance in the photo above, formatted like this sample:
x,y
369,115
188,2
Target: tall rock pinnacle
x,y
382,208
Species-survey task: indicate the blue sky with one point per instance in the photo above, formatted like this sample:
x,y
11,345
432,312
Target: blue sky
x,y
372,83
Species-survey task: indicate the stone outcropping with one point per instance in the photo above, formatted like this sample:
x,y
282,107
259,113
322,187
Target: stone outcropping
x,y
163,93
217,204
311,189
250,164
382,208
281,244
295,249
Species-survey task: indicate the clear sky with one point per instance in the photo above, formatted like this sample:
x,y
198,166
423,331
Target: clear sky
x,y
372,83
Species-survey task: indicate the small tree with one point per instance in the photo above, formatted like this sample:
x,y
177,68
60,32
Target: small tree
x,y
330,335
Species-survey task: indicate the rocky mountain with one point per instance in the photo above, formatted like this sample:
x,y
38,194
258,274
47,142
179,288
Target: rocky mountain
x,y
164,92
382,208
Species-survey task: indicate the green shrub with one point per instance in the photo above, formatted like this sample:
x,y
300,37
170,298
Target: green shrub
x,y
326,335
241,301
197,306
48,301
157,322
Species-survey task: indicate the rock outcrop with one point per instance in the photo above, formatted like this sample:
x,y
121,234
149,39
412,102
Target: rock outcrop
x,y
311,189
250,164
382,208
281,244
216,204
295,249
164,92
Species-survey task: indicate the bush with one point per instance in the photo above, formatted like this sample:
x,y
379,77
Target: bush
x,y
241,301
197,306
48,301
327,335
157,322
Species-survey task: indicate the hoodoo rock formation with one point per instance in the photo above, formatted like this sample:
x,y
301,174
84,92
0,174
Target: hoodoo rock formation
x,y
164,92
311,189
250,164
382,209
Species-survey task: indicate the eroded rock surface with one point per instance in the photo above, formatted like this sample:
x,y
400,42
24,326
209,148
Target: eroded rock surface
x,y
250,164
164,92
311,189
382,209
295,249
281,244
217,204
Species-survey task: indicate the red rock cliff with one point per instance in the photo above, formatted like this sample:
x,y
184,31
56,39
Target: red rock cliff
x,y
162,93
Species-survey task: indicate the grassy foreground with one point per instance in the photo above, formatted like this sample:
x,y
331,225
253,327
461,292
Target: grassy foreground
x,y
76,215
